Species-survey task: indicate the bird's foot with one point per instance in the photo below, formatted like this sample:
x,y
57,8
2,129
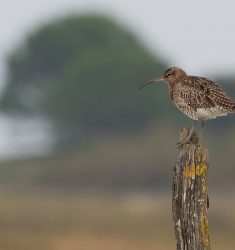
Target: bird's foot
x,y
194,139
181,143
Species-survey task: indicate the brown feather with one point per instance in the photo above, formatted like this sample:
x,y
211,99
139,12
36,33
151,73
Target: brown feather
x,y
197,97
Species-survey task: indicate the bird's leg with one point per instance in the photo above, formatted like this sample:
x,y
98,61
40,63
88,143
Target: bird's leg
x,y
201,129
187,140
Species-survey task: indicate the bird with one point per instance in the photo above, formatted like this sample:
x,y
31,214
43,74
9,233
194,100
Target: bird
x,y
197,97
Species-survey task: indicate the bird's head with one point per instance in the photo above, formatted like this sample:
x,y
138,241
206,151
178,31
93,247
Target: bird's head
x,y
170,76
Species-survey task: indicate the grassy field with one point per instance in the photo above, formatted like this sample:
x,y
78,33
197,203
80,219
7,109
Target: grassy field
x,y
39,220
45,205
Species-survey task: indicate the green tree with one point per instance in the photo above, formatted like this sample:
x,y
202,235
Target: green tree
x,y
82,74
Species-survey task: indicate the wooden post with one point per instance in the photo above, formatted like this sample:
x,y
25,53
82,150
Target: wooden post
x,y
189,196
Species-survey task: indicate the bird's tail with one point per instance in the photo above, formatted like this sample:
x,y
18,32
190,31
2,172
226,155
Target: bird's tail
x,y
233,107
233,104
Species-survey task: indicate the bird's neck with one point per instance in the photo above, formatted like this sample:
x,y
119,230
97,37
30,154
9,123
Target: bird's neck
x,y
173,88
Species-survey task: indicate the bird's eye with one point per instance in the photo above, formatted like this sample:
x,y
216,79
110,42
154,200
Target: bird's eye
x,y
168,75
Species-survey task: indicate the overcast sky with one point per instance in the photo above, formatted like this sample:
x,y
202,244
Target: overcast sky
x,y
196,35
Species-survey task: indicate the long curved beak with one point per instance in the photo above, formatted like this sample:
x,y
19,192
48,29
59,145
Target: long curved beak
x,y
157,79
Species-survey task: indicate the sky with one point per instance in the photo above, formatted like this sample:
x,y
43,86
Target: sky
x,y
198,36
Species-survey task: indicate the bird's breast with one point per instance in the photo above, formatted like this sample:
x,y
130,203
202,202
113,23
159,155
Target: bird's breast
x,y
179,96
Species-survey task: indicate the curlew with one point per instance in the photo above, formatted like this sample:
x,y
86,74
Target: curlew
x,y
197,97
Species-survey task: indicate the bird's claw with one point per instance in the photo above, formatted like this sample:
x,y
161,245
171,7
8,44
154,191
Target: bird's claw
x,y
181,143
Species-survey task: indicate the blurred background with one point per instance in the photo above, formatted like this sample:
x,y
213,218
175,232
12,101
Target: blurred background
x,y
86,158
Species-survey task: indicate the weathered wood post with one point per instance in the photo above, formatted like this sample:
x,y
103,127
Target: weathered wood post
x,y
189,196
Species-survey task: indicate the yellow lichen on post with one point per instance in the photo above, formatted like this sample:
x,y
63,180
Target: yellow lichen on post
x,y
192,170
201,169
204,228
204,188
202,156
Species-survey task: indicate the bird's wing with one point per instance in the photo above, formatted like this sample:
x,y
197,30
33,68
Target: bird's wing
x,y
210,94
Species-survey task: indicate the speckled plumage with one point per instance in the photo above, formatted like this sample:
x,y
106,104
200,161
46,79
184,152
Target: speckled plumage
x,y
197,97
